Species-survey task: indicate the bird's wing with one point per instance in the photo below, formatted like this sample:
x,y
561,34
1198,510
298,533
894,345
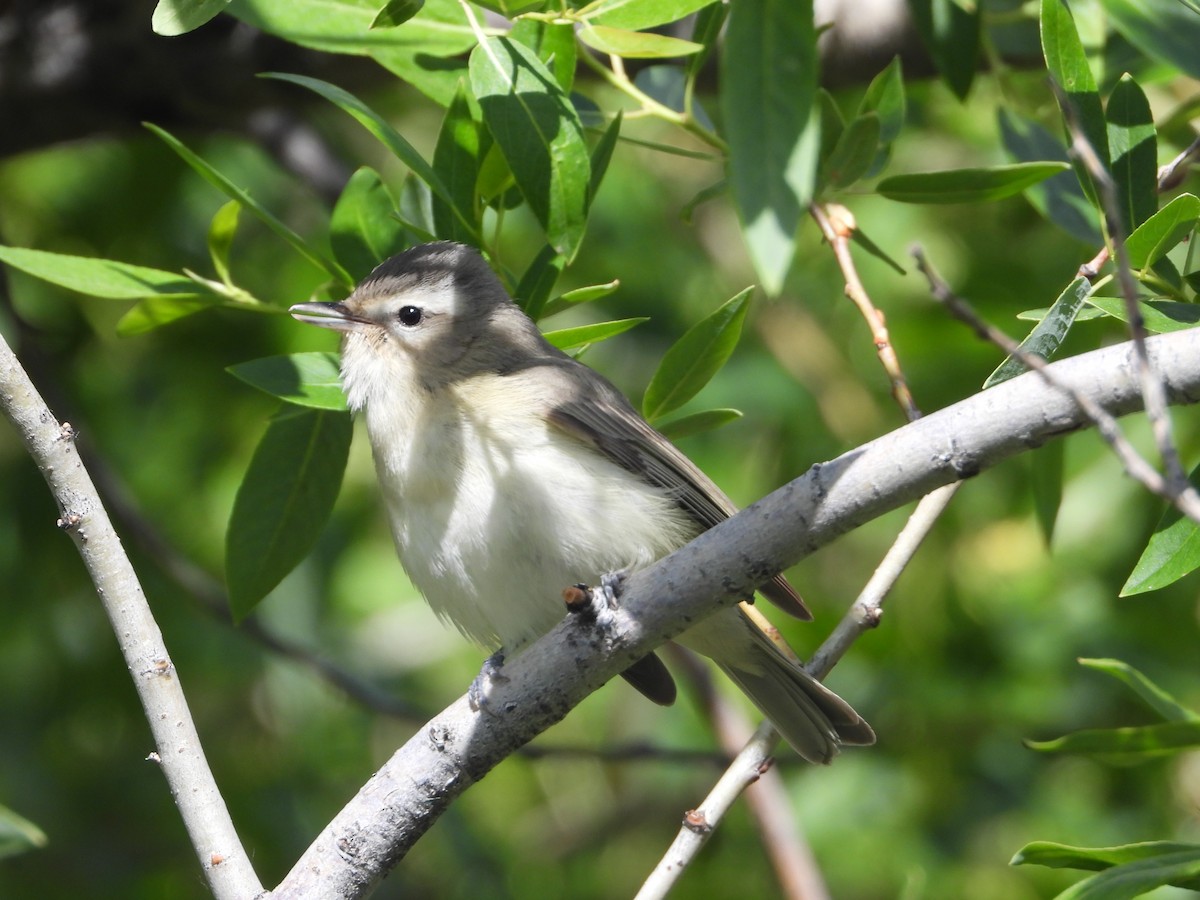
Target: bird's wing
x,y
599,415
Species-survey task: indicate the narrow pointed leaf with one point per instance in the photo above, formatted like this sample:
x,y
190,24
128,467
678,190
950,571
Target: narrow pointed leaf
x,y
567,338
540,134
768,84
967,185
155,312
854,152
363,229
18,834
1133,152
1059,198
1172,552
220,238
885,98
1095,859
538,281
951,33
695,358
396,12
602,155
635,44
1046,482
284,501
579,295
1137,742
456,159
1068,65
305,379
1159,316
380,129
1136,878
638,14
104,278
1048,334
698,423
860,237
1149,692
1163,231
227,187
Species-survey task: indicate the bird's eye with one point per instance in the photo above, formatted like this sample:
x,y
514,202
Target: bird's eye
x,y
410,316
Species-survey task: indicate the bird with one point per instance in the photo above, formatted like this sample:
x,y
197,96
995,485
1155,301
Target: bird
x,y
510,471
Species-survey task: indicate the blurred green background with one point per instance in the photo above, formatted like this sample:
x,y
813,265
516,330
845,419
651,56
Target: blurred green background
x,y
976,651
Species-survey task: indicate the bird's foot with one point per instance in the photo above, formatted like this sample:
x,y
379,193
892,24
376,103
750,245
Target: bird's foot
x,y
490,674
596,604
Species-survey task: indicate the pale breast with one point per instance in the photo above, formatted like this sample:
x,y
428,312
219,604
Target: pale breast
x,y
494,511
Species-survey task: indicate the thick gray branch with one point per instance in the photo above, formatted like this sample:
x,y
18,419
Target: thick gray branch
x,y
458,747
177,746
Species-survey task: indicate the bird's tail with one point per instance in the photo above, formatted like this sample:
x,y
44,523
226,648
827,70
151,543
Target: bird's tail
x,y
809,716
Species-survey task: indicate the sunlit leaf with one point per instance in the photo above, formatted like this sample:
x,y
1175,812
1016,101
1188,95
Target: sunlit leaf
x,y
1167,31
951,32
854,152
1150,693
635,44
18,834
104,278
154,312
1133,152
175,17
579,295
1044,340
305,379
697,423
1159,316
396,12
967,185
363,229
456,159
1163,231
540,134
638,14
1172,552
695,358
535,285
1133,742
567,338
768,83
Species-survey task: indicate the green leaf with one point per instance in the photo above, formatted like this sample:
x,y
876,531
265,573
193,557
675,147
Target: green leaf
x,y
154,312
566,338
456,159
697,423
1159,316
885,98
1140,877
635,44
283,502
363,229
1160,30
579,295
951,33
1172,552
1133,151
860,237
227,187
1132,743
423,52
1095,859
18,834
1046,482
540,135
967,185
104,278
1059,198
667,83
538,281
382,131
1047,334
706,32
854,152
695,358
175,17
1068,65
305,379
554,44
1149,692
396,12
220,238
1163,231
638,14
602,155
767,86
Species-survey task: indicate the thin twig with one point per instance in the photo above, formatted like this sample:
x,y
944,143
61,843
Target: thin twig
x,y
837,225
1176,482
177,745
1186,500
1173,173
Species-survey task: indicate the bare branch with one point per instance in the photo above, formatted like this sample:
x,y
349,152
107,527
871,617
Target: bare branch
x,y
177,746
458,747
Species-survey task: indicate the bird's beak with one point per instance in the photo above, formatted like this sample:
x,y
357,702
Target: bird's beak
x,y
327,315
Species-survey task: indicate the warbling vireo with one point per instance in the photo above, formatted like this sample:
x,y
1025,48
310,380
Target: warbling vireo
x,y
511,471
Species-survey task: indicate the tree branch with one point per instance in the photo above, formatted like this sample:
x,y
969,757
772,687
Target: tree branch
x,y
177,746
458,747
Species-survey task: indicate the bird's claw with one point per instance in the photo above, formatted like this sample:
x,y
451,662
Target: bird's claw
x,y
489,674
